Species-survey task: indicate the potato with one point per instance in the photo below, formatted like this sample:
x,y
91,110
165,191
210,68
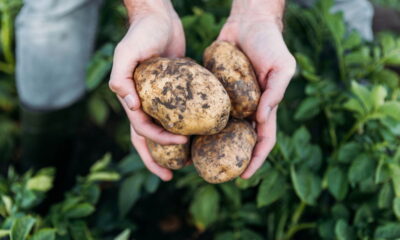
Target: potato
x,y
236,73
169,156
224,156
183,96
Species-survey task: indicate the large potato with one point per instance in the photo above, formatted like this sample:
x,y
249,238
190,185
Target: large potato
x,y
236,73
169,156
183,96
224,156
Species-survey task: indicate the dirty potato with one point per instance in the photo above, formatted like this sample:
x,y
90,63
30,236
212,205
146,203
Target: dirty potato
x,y
169,156
224,156
183,96
236,73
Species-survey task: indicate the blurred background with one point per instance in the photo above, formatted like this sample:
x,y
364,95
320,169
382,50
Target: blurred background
x,y
334,173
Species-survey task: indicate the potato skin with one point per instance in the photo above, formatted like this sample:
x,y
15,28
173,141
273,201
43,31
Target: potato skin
x,y
234,70
170,156
182,95
224,156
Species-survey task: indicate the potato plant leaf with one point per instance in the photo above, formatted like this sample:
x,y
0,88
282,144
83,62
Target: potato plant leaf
x,y
205,206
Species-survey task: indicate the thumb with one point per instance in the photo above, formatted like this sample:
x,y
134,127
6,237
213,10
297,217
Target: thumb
x,y
121,80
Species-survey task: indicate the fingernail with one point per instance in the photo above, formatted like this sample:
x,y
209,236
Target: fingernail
x,y
130,101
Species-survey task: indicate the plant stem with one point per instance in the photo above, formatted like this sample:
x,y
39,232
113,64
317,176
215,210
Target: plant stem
x,y
298,212
353,130
332,132
294,229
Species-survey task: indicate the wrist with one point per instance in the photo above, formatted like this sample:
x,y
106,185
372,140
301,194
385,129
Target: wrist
x,y
137,8
258,10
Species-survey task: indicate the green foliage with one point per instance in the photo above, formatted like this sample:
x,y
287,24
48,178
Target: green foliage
x,y
20,196
334,173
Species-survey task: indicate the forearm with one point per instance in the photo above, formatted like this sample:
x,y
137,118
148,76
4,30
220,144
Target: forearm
x,y
140,7
258,9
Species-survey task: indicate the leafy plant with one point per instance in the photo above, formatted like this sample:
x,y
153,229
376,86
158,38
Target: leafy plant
x,y
334,173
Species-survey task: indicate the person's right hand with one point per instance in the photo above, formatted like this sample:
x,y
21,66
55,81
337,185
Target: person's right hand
x,y
155,30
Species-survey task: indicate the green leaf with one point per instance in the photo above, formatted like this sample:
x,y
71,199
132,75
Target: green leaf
x,y
232,193
363,94
272,188
7,203
41,183
394,59
99,66
340,211
396,207
391,109
152,183
355,106
337,183
306,184
388,231
103,176
385,196
21,227
205,207
4,233
395,173
301,136
378,95
308,108
98,110
44,234
102,163
352,41
361,57
130,192
130,163
310,76
305,62
326,229
251,215
387,77
364,215
80,210
254,180
300,140
343,231
382,172
362,168
123,235
80,231
285,145
348,152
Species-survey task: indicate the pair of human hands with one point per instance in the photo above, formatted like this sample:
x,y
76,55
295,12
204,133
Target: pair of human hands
x,y
159,32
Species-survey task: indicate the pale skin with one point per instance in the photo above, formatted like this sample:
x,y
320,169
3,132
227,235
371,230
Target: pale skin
x,y
255,26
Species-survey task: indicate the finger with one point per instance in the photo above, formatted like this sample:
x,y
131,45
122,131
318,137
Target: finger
x,y
227,34
139,143
266,140
144,126
121,79
275,87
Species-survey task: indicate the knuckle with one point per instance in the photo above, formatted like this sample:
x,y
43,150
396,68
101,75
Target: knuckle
x,y
115,85
292,65
279,97
120,48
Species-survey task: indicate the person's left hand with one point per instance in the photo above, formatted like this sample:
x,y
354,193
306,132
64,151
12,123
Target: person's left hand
x,y
260,38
